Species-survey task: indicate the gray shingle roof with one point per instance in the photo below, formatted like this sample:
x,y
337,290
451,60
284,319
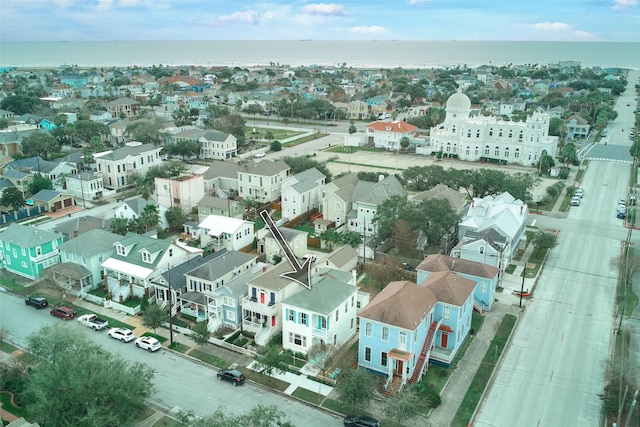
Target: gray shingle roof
x,y
27,236
215,135
91,243
175,276
221,265
124,152
83,225
325,296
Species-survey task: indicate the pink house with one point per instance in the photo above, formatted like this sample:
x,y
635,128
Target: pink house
x,y
184,191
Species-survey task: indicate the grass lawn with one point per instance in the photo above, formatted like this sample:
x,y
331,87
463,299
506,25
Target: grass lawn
x,y
265,380
481,379
5,347
308,395
158,337
168,422
209,358
278,134
180,348
5,398
11,285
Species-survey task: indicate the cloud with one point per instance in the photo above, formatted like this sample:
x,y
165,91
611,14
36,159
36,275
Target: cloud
x,y
551,26
622,4
416,2
371,29
249,17
324,9
105,4
584,35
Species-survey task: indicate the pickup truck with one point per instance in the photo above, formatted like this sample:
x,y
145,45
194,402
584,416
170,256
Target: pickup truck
x,y
94,322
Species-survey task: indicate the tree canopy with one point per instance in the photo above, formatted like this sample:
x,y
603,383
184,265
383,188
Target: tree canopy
x,y
258,416
79,383
40,182
356,389
39,144
12,197
302,163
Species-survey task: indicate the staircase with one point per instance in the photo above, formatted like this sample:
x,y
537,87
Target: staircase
x,y
424,354
477,306
394,387
221,194
262,336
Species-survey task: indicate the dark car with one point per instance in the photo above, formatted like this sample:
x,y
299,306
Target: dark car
x,y
36,301
232,375
65,313
621,214
360,421
76,145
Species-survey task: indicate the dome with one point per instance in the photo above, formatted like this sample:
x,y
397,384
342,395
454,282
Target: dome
x,y
458,102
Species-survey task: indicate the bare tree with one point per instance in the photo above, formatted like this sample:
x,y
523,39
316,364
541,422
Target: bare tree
x,y
320,355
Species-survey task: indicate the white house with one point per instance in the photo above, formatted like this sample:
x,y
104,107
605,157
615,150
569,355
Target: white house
x,y
268,245
184,191
219,232
324,314
301,192
261,180
388,135
218,145
119,167
85,185
133,208
489,138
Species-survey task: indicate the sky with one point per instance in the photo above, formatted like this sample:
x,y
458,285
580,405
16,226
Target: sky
x,y
517,20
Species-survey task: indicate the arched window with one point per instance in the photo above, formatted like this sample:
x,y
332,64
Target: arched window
x,y
496,152
486,150
516,154
490,131
506,152
478,133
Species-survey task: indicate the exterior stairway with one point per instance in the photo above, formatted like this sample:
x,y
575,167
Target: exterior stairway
x,y
393,388
424,354
478,306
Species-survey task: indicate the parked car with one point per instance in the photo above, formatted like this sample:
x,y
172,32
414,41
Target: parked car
x,y
621,215
632,200
122,334
575,201
36,301
148,343
63,312
234,376
259,155
76,145
622,208
579,193
360,421
622,201
94,322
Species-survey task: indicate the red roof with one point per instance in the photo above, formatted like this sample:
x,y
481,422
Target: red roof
x,y
397,126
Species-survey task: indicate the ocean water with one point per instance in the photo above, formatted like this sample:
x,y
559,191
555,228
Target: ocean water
x,y
357,54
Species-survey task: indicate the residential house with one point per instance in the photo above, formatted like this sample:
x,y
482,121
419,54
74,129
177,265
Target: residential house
x,y
501,213
388,135
270,247
20,180
261,180
357,110
100,116
336,196
203,300
221,179
183,192
434,321
577,127
123,107
487,278
87,250
218,145
301,192
322,315
344,258
119,167
5,114
210,205
457,200
138,258
217,232
26,250
133,208
76,226
117,131
85,185
364,202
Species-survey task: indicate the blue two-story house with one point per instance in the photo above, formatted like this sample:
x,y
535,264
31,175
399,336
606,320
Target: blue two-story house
x,y
486,276
26,251
408,325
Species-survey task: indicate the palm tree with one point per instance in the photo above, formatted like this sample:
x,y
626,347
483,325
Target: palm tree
x,y
150,216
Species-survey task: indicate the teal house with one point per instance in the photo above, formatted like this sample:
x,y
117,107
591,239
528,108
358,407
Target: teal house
x,y
26,251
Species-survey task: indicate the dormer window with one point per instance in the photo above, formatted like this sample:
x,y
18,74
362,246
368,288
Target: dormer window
x,y
120,250
146,256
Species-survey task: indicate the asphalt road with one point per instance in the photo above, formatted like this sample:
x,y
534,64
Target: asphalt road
x,y
552,372
179,382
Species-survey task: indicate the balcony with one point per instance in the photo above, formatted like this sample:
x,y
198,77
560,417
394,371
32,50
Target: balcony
x,y
43,257
252,304
320,333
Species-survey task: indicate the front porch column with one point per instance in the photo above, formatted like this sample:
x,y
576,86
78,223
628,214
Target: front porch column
x,y
147,293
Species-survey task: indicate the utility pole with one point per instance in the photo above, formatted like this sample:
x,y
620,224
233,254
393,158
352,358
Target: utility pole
x,y
170,306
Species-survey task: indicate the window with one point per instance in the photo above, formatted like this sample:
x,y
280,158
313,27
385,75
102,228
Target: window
x,y
367,354
298,340
352,298
337,314
481,250
291,315
352,323
228,301
483,288
383,359
24,251
303,318
323,322
486,150
146,256
446,313
120,250
368,329
385,333
338,207
346,306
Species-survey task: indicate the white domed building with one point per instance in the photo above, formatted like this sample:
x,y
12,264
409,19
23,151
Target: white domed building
x,y
489,138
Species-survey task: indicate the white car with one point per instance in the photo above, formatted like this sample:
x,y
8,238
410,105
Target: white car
x,y
122,334
259,155
575,201
148,343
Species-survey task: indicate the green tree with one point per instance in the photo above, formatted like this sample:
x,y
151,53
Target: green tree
x,y
388,213
182,117
154,316
271,362
569,154
302,163
404,407
175,217
543,240
557,127
85,130
258,416
120,226
149,217
40,182
21,104
404,142
147,131
79,383
356,389
145,186
545,164
275,145
39,144
200,333
12,197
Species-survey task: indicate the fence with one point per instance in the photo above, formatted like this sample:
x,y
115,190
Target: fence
x,y
131,311
214,341
92,298
23,213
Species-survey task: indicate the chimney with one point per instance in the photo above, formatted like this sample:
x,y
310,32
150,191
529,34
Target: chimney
x,y
453,264
521,209
264,268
